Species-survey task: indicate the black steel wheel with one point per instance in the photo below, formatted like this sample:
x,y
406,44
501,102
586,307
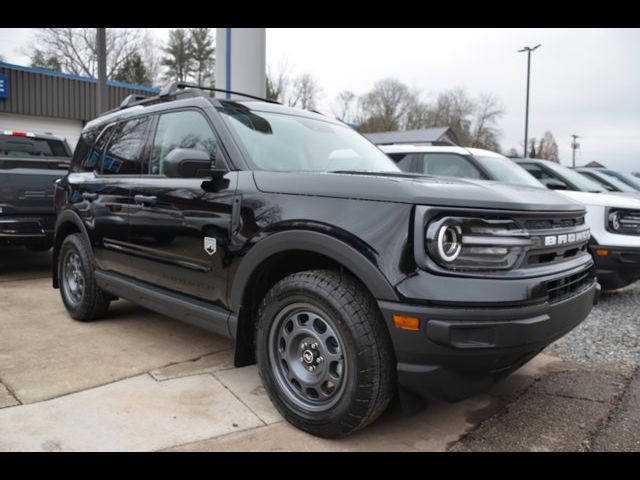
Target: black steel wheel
x,y
324,353
80,294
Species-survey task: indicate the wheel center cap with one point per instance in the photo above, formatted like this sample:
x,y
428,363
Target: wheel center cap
x,y
308,357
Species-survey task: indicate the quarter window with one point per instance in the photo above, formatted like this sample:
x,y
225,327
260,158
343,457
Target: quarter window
x,y
186,129
125,150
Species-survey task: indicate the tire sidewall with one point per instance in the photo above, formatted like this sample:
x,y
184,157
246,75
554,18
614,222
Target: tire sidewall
x,y
282,298
74,243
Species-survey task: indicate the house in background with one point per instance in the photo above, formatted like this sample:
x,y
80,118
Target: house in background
x,y
594,165
424,136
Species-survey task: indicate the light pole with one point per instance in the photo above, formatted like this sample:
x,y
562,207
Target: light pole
x,y
526,115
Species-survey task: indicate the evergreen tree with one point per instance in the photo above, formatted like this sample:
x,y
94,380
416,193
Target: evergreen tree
x,y
179,59
133,70
203,55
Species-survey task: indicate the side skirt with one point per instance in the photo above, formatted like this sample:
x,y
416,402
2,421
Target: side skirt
x,y
181,307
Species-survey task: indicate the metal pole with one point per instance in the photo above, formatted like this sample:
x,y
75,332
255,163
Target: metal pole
x,y
102,99
526,114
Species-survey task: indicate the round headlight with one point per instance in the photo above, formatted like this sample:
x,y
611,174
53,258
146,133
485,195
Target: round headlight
x,y
449,242
614,218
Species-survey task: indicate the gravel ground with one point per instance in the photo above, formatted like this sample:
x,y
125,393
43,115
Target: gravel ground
x,y
610,333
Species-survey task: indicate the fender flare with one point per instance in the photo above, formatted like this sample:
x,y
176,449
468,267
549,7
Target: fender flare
x,y
66,216
339,251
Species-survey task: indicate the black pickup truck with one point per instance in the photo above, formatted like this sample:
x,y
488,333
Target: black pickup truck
x,y
29,165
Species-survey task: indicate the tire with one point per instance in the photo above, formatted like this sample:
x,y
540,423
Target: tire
x,y
356,368
80,294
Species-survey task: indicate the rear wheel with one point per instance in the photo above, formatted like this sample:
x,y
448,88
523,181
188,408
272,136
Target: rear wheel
x,y
324,354
80,294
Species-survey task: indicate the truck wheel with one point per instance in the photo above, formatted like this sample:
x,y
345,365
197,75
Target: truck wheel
x,y
81,296
324,354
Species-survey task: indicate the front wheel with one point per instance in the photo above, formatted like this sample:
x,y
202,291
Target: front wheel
x,y
324,354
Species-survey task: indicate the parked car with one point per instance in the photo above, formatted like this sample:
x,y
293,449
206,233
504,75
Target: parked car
x,y
342,276
614,220
29,165
616,250
610,182
625,177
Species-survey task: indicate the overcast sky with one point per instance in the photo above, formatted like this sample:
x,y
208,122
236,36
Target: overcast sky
x,y
583,81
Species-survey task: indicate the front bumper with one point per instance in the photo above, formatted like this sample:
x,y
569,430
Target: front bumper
x,y
461,351
617,269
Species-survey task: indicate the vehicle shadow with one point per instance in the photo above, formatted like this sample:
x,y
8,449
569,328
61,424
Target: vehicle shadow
x,y
18,263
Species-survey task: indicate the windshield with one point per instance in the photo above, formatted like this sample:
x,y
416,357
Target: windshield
x,y
581,182
504,170
627,178
618,185
283,142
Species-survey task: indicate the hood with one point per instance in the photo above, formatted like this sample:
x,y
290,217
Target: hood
x,y
415,189
603,199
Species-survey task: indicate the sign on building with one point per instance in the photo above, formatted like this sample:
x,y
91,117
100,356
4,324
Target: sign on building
x,y
4,86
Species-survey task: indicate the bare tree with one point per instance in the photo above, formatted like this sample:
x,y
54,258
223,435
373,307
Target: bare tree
x,y
384,108
76,51
277,82
304,92
548,148
485,132
343,105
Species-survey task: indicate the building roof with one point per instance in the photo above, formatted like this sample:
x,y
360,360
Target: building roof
x,y
49,93
71,76
594,165
435,135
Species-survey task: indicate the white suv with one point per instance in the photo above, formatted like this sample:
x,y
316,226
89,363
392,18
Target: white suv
x,y
614,219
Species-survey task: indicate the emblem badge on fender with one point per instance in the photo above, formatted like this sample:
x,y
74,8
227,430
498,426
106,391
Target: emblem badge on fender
x,y
210,245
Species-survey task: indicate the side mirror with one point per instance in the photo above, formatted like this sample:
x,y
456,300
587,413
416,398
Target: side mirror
x,y
556,185
187,163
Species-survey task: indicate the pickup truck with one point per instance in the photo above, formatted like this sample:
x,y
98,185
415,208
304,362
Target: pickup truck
x,y
29,165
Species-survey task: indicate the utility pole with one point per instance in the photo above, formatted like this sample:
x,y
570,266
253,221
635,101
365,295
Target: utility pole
x,y
526,115
101,100
574,146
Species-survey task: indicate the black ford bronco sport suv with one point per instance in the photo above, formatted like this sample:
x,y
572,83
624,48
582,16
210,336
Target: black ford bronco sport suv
x,y
343,277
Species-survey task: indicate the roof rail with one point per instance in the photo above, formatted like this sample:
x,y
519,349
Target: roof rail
x,y
131,99
173,88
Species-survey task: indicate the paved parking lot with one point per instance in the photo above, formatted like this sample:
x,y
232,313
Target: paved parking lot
x,y
140,381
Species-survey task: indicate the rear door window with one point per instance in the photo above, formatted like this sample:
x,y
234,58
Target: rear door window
x,y
125,150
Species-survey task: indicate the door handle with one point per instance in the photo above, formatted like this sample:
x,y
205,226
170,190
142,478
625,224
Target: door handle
x,y
145,199
89,196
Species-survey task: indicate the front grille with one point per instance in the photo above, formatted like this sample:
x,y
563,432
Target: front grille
x,y
551,223
569,286
559,226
